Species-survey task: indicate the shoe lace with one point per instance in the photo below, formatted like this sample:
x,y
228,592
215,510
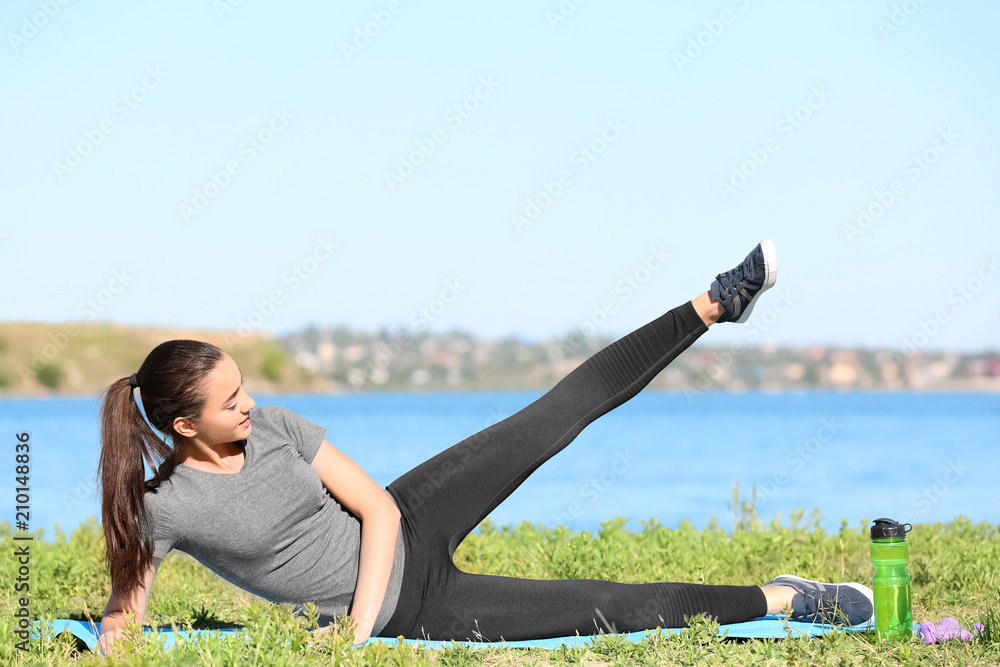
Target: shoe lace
x,y
731,280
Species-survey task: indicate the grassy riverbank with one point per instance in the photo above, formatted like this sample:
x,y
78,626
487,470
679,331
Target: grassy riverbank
x,y
955,569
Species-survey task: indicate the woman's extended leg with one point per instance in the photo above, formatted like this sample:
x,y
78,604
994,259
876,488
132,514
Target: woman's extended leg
x,y
446,497
488,608
450,494
478,607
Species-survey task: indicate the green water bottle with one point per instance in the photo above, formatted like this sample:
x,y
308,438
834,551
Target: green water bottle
x,y
891,583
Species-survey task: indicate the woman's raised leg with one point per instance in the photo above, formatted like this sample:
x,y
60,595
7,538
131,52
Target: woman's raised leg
x,y
446,497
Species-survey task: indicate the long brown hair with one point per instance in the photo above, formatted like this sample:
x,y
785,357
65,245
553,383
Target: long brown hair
x,y
172,383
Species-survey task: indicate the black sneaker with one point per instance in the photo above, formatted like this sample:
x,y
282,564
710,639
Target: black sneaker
x,y
834,604
738,289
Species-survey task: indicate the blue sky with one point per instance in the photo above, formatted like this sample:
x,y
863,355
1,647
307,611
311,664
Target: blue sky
x,y
509,168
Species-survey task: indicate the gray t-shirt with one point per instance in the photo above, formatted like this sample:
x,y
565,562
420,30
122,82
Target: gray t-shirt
x,y
272,528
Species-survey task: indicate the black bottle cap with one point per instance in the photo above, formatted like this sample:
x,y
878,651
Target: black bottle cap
x,y
884,529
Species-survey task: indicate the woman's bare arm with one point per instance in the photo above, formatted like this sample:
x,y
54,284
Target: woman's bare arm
x,y
379,516
114,619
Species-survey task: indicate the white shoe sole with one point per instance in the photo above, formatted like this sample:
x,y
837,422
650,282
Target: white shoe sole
x,y
770,276
861,588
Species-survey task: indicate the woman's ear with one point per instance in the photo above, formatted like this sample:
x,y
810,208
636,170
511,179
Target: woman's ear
x,y
186,427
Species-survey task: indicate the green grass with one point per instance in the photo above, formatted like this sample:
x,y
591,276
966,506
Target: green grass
x,y
955,569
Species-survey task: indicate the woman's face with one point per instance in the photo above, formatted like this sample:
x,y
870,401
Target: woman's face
x,y
226,415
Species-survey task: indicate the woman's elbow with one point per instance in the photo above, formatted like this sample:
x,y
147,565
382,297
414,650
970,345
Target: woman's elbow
x,y
391,510
381,510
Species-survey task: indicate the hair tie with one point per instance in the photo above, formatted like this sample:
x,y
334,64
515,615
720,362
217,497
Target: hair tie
x,y
133,381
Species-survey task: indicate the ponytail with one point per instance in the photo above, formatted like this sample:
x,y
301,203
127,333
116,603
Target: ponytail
x,y
126,442
171,382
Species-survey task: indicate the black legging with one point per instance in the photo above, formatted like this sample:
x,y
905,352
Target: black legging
x,y
446,497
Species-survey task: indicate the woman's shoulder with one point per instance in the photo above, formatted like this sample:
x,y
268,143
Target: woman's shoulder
x,y
159,498
268,411
163,506
281,426
274,416
271,414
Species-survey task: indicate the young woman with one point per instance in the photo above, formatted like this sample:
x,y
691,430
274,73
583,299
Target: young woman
x,y
261,498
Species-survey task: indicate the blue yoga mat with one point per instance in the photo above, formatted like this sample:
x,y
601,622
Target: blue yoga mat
x,y
766,626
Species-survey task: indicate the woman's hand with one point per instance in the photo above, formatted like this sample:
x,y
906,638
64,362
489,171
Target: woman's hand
x,y
106,641
358,637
